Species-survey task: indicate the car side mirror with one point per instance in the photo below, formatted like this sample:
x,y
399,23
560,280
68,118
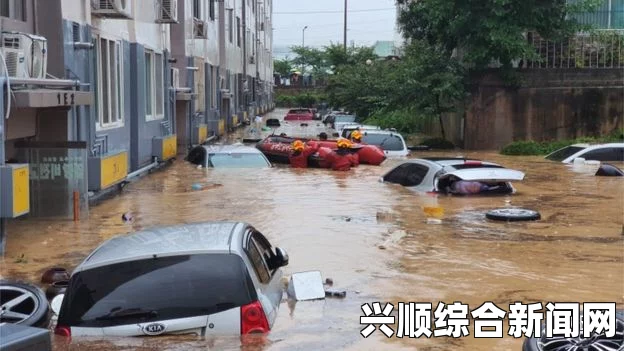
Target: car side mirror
x,y
282,257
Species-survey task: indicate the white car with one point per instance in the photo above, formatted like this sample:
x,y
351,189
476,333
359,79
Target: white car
x,y
392,143
435,174
346,131
205,278
596,152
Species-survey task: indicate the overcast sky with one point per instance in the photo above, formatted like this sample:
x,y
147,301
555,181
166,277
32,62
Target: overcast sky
x,y
368,21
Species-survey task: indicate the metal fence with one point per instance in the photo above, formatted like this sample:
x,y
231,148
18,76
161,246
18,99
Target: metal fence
x,y
602,49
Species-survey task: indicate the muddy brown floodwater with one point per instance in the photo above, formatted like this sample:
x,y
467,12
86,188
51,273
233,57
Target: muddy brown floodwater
x,y
373,240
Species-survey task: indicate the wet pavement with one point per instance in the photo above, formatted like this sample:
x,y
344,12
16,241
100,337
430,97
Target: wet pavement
x,y
374,240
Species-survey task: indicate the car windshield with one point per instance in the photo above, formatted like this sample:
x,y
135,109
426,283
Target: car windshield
x,y
564,153
344,118
299,112
237,160
387,142
156,289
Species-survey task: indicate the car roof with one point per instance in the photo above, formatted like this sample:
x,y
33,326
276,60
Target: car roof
x,y
450,161
194,238
232,148
381,131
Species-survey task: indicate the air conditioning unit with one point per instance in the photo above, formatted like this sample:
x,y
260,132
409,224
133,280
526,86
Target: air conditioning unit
x,y
252,59
26,55
175,78
112,8
168,11
199,29
262,26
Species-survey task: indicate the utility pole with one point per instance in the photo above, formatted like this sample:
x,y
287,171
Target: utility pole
x,y
345,26
303,46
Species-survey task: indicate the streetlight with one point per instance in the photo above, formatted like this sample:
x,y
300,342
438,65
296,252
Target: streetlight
x,y
303,46
303,36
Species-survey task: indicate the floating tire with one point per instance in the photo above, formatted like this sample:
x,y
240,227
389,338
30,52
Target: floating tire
x,y
593,343
22,303
513,215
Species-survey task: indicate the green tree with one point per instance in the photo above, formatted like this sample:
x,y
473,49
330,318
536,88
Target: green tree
x,y
282,67
490,30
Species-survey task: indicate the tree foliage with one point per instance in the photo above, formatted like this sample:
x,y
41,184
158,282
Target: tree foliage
x,y
282,67
490,30
423,84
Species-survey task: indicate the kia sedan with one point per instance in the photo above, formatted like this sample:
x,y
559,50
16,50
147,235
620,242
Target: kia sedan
x,y
203,279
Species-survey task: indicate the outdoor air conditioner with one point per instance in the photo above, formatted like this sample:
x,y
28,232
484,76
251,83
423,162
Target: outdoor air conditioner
x,y
175,78
26,55
252,59
168,11
112,8
199,29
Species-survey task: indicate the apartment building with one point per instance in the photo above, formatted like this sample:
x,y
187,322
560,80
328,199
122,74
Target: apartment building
x,y
223,66
96,91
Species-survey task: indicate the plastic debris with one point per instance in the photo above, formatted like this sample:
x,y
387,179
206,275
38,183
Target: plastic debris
x,y
197,186
333,293
306,286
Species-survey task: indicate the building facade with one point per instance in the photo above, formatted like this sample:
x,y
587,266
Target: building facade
x,y
96,91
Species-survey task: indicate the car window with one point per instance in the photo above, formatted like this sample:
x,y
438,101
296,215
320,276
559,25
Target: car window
x,y
172,287
197,156
564,153
345,118
408,174
387,142
605,154
255,253
237,160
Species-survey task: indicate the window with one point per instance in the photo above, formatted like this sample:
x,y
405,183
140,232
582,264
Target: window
x,y
386,142
257,261
564,153
237,160
184,288
212,10
154,86
197,9
15,9
605,154
253,44
408,174
230,24
109,102
238,32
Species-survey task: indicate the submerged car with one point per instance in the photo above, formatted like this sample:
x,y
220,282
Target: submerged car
x,y
392,143
205,278
228,156
346,131
596,152
435,174
299,114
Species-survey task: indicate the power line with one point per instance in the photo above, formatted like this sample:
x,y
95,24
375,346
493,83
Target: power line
x,y
320,12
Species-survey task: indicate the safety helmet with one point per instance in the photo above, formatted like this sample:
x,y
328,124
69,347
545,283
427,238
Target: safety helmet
x,y
344,143
298,145
356,135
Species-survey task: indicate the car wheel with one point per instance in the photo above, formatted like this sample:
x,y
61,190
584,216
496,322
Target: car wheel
x,y
22,303
593,343
513,214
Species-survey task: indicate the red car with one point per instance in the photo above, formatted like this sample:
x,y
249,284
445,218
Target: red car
x,y
299,114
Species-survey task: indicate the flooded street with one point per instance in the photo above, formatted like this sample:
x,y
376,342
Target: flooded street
x,y
372,239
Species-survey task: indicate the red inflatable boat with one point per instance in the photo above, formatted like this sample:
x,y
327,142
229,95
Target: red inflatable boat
x,y
277,148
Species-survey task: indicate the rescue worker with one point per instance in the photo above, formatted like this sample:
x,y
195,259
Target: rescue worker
x,y
342,159
300,152
356,137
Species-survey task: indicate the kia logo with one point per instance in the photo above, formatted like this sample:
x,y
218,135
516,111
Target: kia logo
x,y
154,329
